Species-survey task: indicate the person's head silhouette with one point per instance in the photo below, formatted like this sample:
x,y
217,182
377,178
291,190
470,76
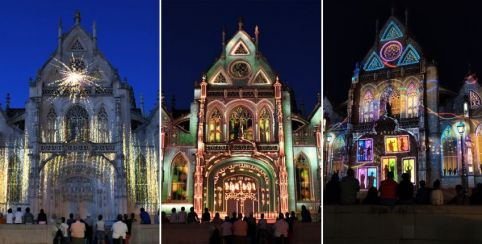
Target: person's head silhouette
x,y
390,175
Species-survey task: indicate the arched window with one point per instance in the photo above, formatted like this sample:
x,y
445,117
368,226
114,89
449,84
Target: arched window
x,y
339,155
179,178
77,124
215,127
478,142
141,179
50,126
474,100
368,111
102,126
241,123
264,126
449,152
14,180
303,179
391,96
412,101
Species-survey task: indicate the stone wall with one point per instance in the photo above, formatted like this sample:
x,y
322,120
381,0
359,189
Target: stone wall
x,y
41,234
402,224
199,233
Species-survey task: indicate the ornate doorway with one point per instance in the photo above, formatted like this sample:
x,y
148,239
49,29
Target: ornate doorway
x,y
240,194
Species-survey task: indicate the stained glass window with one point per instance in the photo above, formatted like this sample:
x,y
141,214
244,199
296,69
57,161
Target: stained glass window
x,y
368,107
141,179
241,49
241,123
389,164
367,176
339,155
264,125
50,126
479,147
14,178
397,144
449,151
303,185
474,100
391,96
260,79
412,101
220,79
240,70
408,165
179,178
365,150
103,126
215,125
77,124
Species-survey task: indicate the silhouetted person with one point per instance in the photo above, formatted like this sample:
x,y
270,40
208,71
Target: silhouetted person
x,y
460,198
262,230
476,197
215,230
372,196
42,217
332,190
234,218
240,230
251,228
145,218
70,220
423,194
192,216
164,218
437,196
206,215
226,231
349,186
128,222
281,229
388,190
28,217
305,214
405,190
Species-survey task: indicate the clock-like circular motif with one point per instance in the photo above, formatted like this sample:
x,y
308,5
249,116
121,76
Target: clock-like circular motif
x,y
240,69
391,50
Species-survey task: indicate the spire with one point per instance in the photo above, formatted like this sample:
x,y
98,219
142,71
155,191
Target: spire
x,y
7,101
173,103
94,30
77,17
240,23
318,96
59,36
256,33
392,11
377,32
142,105
406,18
224,42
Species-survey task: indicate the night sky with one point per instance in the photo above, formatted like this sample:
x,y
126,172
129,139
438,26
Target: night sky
x,y
127,34
450,34
290,39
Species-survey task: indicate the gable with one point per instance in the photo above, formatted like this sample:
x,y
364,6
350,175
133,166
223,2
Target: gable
x,y
391,32
409,56
373,63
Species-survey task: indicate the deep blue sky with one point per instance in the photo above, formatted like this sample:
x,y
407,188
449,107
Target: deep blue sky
x,y
290,39
128,36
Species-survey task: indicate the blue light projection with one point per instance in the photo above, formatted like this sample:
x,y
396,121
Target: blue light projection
x,y
409,56
391,32
373,63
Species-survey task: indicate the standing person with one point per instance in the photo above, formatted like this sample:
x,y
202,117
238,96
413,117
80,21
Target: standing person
x,y
206,217
423,194
89,225
305,214
2,219
226,231
57,232
145,218
71,219
77,231
182,216
100,230
173,219
156,218
332,190
281,228
460,198
119,230
65,231
28,217
349,187
252,228
10,216
289,220
128,222
240,230
262,230
215,229
164,218
233,218
388,190
437,196
19,216
192,216
405,190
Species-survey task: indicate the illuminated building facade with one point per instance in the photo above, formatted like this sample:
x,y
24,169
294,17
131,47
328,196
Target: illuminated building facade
x,y
242,146
399,119
77,146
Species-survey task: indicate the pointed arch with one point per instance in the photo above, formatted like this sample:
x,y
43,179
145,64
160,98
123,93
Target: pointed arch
x,y
241,121
215,125
474,99
141,179
449,152
179,175
14,180
303,178
391,95
240,48
265,123
367,103
103,126
77,124
50,130
412,100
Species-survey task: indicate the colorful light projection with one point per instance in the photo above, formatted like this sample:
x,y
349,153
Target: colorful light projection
x,y
408,165
397,144
390,52
367,177
389,164
365,150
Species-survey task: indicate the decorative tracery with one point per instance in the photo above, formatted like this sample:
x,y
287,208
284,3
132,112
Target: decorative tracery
x,y
474,100
390,101
449,152
241,123
14,180
264,125
77,124
215,127
141,179
368,110
412,101
303,191
103,126
179,178
50,126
